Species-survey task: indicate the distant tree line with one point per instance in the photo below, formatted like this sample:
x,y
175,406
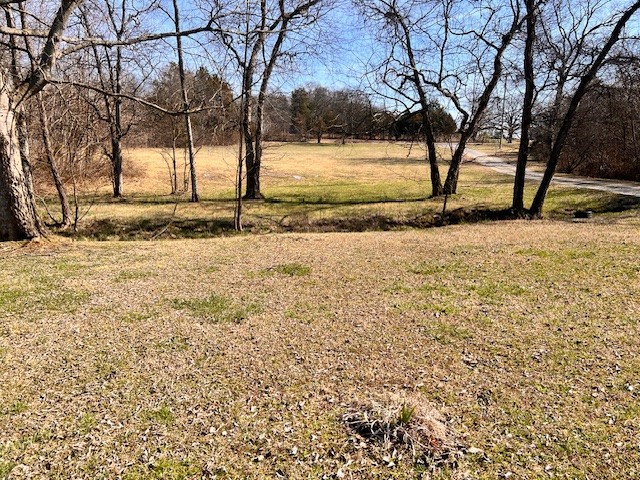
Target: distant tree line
x,y
315,113
306,114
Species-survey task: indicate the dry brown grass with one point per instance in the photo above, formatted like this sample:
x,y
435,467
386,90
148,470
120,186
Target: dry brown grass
x,y
287,163
309,187
130,360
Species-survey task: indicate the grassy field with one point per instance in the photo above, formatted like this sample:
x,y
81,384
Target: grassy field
x,y
309,187
475,351
238,357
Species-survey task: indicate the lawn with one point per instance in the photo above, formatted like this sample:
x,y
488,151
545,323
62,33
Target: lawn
x,y
486,350
308,187
239,357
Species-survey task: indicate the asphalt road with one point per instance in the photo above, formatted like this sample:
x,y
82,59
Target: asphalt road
x,y
612,186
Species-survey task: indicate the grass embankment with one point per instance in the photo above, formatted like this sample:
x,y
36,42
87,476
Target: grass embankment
x,y
237,357
310,187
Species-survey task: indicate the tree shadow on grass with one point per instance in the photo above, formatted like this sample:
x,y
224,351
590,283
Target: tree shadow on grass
x,y
301,199
616,204
151,228
301,220
388,161
142,199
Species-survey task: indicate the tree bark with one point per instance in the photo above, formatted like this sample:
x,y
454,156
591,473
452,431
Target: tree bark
x,y
116,130
116,158
253,166
18,218
527,106
253,173
451,183
432,157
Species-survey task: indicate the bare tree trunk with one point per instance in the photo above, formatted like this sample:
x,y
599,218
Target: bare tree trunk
x,y
53,165
116,158
116,129
253,171
451,183
527,106
113,113
253,142
470,122
253,181
195,197
18,218
237,213
432,156
174,179
252,191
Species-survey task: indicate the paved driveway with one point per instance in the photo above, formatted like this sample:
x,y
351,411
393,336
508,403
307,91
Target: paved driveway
x,y
502,166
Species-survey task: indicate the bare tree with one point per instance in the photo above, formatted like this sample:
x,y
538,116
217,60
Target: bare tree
x,y
195,197
52,162
266,31
580,90
18,216
483,43
401,71
118,20
451,51
42,115
567,43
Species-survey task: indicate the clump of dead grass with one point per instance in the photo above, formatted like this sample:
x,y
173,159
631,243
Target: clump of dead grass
x,y
406,428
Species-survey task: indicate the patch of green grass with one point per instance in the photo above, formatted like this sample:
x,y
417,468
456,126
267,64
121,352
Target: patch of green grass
x,y
18,407
14,300
575,253
495,291
174,469
534,252
66,300
45,296
86,423
69,267
427,268
211,306
398,287
216,308
129,275
291,269
406,414
6,468
135,317
162,415
166,469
